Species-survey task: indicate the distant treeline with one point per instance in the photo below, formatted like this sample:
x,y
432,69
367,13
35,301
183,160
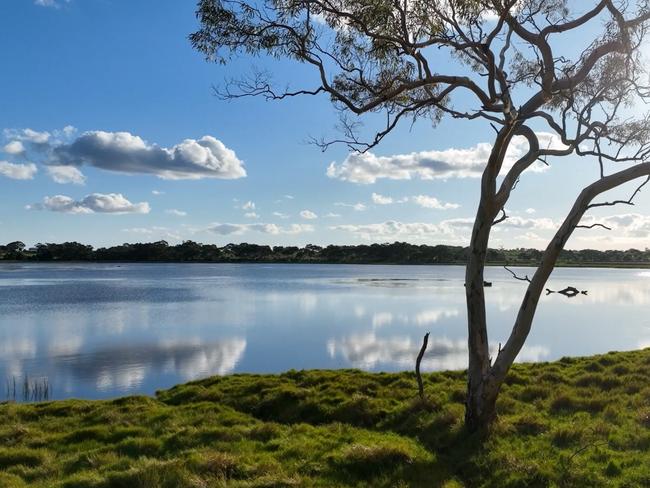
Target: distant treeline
x,y
395,253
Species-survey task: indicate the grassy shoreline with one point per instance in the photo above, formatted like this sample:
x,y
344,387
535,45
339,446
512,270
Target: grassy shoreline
x,y
574,422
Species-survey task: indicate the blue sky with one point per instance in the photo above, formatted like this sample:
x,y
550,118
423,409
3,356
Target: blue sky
x,y
177,163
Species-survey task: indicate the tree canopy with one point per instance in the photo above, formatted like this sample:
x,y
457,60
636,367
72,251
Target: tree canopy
x,y
507,63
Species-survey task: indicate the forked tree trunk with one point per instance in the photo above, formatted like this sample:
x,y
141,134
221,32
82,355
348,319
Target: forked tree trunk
x,y
481,392
484,377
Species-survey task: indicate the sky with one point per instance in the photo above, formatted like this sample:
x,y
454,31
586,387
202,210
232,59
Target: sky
x,y
110,132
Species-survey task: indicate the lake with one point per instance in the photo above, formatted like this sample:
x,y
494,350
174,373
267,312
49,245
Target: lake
x,y
104,330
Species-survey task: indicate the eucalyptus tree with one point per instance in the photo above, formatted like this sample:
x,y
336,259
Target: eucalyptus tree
x,y
573,69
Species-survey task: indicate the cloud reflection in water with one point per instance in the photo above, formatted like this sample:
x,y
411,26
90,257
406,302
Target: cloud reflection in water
x,y
367,351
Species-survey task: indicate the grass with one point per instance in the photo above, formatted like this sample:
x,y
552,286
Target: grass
x,y
574,422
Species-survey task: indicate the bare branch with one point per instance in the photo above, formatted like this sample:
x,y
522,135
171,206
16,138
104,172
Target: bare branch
x,y
503,217
592,226
515,276
423,349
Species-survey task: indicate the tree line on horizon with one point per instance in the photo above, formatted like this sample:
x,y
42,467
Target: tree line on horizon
x,y
387,253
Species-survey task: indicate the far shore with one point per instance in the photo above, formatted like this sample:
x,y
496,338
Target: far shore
x,y
600,265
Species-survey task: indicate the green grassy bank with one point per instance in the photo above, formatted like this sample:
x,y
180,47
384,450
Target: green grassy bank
x,y
575,422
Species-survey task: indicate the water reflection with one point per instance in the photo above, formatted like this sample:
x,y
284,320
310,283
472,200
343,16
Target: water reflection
x,y
102,330
371,352
123,368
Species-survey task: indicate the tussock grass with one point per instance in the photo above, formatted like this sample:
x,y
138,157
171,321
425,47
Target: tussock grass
x,y
576,422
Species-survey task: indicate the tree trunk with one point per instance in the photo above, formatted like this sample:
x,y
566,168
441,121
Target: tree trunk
x,y
481,390
484,378
481,396
480,408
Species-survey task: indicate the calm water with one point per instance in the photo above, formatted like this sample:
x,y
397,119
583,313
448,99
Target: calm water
x,y
105,330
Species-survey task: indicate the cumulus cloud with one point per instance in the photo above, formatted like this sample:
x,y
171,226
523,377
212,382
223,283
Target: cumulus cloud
x,y
126,153
14,147
359,207
114,203
366,168
66,174
381,199
237,229
249,205
626,225
28,135
449,229
176,212
18,171
516,222
513,222
432,202
392,229
308,215
155,232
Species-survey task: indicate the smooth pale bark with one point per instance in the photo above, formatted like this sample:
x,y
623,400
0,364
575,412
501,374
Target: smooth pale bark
x,y
480,401
485,379
537,283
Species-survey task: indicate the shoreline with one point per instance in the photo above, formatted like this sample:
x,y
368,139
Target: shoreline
x,y
595,265
578,421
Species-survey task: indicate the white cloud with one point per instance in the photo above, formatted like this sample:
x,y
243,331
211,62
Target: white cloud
x,y
308,215
289,197
114,203
126,153
66,174
381,199
459,223
35,136
332,215
157,192
366,168
530,211
432,202
359,207
251,215
632,225
52,4
14,147
280,215
155,233
69,130
176,212
392,229
523,223
28,135
31,135
513,222
249,205
237,229
530,236
18,171
455,230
